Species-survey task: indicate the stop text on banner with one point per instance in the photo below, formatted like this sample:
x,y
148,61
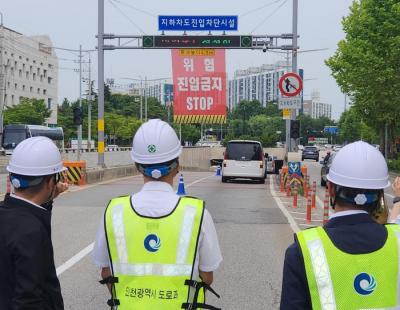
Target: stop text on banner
x,y
199,86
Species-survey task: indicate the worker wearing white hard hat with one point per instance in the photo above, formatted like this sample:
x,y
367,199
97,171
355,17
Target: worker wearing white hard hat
x,y
28,277
157,250
352,262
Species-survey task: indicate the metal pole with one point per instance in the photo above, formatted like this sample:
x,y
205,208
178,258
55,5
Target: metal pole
x,y
145,98
89,144
386,141
100,83
2,75
78,154
180,133
141,101
293,114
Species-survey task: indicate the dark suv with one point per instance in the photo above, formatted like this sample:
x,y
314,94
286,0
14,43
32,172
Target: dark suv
x,y
310,152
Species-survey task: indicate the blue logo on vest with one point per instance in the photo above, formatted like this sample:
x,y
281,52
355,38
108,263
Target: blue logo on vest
x,y
364,284
152,243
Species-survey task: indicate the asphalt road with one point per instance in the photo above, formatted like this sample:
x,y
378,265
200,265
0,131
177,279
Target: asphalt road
x,y
255,224
252,230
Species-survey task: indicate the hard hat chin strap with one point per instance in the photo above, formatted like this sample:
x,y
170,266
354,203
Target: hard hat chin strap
x,y
157,171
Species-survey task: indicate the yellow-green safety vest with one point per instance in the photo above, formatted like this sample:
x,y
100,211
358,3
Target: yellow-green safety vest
x,y
342,281
152,257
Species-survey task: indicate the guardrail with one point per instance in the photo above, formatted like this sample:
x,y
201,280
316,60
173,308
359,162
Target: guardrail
x,y
92,150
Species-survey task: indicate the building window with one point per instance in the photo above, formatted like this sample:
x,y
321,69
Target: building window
x,y
23,87
15,64
27,59
31,89
49,102
15,86
12,99
34,61
12,54
41,78
27,75
44,91
38,71
49,80
34,76
41,63
38,90
50,66
45,73
20,73
8,84
20,57
23,67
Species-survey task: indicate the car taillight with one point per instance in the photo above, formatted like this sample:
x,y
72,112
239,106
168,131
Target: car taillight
x,y
261,164
224,163
226,155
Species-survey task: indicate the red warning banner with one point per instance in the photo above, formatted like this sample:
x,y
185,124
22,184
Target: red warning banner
x,y
199,77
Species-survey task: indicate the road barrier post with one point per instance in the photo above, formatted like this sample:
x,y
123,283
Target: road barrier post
x,y
326,207
308,212
314,194
295,196
288,187
8,189
282,185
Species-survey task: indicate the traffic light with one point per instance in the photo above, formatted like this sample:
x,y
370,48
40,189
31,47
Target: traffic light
x,y
78,116
294,129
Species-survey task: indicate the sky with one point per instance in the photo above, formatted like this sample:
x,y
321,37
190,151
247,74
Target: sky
x,y
74,22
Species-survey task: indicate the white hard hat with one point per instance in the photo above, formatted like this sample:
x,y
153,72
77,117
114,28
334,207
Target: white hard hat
x,y
35,156
155,142
359,165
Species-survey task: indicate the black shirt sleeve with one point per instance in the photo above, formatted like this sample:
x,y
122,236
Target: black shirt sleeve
x,y
29,251
295,294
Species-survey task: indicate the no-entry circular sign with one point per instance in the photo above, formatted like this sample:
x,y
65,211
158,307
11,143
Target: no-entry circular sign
x,y
290,84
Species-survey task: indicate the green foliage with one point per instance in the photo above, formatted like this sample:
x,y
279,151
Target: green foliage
x,y
366,63
394,165
29,111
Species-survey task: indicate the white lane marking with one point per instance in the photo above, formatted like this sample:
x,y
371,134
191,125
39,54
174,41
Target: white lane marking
x,y
79,256
285,212
74,259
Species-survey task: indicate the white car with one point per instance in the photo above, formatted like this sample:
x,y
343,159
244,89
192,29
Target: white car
x,y
243,159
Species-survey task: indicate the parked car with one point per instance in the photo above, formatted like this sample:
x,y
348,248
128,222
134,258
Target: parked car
x,y
243,159
111,147
310,152
326,164
269,164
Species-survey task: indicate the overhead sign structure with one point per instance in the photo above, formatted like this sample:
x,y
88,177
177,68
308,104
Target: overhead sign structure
x,y
199,86
289,103
290,84
185,41
197,23
333,130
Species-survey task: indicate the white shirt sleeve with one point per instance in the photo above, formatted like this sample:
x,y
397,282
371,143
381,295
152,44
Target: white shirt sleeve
x,y
100,251
209,252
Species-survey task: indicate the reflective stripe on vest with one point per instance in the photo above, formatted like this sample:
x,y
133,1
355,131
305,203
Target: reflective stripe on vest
x,y
152,257
314,243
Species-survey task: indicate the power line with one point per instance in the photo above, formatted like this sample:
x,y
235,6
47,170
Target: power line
x,y
135,8
259,8
126,16
270,15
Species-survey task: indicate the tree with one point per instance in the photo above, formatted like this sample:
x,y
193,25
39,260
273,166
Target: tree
x,y
366,63
29,111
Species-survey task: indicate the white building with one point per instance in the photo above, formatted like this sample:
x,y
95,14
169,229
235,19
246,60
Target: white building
x,y
256,83
28,69
315,108
160,89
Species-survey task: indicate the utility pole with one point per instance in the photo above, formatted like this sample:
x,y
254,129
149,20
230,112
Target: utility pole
x,y
141,101
145,98
90,106
2,75
78,154
293,112
100,83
